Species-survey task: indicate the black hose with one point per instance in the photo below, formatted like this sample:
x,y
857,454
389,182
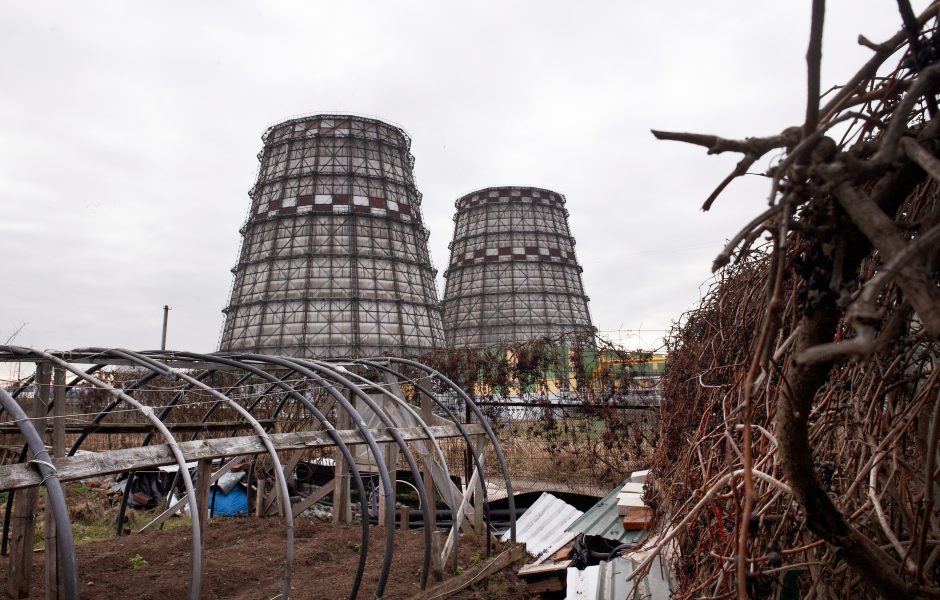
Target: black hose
x,y
613,553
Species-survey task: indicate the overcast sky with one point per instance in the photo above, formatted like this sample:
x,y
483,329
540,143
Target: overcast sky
x,y
129,134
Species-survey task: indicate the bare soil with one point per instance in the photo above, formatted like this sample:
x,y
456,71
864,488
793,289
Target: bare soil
x,y
244,559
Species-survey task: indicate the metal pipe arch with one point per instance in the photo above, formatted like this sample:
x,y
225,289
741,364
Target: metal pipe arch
x,y
55,495
424,426
327,426
171,442
366,435
484,422
427,504
460,428
283,493
8,508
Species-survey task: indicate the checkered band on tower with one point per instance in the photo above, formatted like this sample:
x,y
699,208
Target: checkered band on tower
x,y
334,258
513,275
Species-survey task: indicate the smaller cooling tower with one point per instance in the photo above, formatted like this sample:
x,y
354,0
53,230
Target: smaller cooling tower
x,y
513,275
334,259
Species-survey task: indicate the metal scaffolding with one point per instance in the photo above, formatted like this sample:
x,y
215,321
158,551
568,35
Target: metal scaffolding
x,y
513,275
334,258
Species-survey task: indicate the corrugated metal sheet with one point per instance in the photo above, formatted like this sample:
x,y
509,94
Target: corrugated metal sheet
x,y
603,519
608,581
544,523
582,584
612,582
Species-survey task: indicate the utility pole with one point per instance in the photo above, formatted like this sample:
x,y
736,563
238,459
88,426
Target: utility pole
x,y
166,314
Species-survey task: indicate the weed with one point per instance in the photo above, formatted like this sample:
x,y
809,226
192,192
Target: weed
x,y
138,561
476,559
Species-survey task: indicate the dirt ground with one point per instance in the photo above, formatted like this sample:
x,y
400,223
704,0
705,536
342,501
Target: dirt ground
x,y
244,559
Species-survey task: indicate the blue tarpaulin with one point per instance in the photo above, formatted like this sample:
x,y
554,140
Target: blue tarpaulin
x,y
231,504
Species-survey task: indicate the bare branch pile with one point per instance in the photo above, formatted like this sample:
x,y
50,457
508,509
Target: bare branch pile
x,y
801,412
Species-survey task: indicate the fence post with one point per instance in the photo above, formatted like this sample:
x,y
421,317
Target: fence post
x,y
203,489
54,588
342,509
437,565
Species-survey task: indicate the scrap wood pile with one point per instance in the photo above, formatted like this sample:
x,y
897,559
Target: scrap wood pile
x,y
801,411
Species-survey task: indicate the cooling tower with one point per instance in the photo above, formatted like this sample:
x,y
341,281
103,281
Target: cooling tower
x,y
334,258
512,274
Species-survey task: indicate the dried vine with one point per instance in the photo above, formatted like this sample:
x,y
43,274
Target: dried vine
x,y
801,412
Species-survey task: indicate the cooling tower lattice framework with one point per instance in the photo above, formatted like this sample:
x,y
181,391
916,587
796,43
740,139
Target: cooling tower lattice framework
x,y
513,275
334,258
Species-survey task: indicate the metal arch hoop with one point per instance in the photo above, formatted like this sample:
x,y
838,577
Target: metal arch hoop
x,y
460,428
427,504
55,494
424,426
283,492
158,424
363,431
8,509
327,426
489,432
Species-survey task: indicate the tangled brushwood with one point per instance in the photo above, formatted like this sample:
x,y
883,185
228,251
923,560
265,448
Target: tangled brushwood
x,y
801,413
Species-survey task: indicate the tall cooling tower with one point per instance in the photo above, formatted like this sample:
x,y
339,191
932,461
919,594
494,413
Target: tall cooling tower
x,y
334,258
513,275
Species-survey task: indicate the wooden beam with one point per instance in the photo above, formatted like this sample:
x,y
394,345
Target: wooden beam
x,y
102,428
54,587
437,561
390,456
270,504
203,487
471,576
313,498
342,506
93,464
451,544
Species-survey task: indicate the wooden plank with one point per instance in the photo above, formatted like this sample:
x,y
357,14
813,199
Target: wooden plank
x,y
437,560
93,464
637,519
342,509
544,568
313,498
547,585
450,544
565,553
390,456
203,486
53,575
188,427
270,504
471,576
565,539
259,498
